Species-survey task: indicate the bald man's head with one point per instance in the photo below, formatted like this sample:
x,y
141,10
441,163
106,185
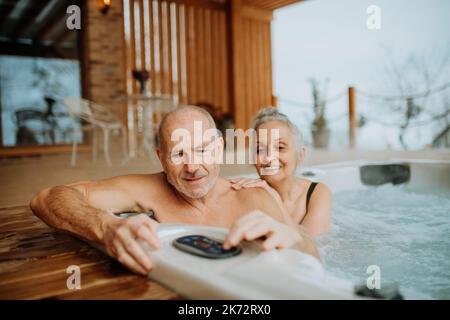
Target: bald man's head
x,y
180,117
189,150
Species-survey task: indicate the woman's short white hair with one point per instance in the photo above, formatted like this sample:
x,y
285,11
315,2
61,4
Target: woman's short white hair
x,y
273,114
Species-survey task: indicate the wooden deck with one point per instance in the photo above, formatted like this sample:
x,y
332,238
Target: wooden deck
x,y
34,259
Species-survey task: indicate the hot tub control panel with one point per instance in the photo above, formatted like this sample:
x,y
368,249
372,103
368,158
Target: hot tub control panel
x,y
204,247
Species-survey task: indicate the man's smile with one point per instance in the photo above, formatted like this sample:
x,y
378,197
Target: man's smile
x,y
194,179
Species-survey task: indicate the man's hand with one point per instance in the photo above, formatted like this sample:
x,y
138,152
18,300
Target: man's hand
x,y
124,239
257,224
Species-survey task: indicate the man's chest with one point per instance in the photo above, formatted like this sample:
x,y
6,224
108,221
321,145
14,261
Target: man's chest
x,y
220,214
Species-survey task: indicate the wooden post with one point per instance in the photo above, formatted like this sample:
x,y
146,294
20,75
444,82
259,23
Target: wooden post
x,y
274,101
351,116
236,60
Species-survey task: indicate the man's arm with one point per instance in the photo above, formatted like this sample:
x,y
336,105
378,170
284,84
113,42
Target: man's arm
x,y
87,208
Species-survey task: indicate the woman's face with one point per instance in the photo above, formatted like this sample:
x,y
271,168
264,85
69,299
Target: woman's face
x,y
277,155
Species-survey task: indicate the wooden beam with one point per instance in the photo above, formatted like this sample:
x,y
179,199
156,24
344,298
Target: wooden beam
x,y
152,47
268,70
247,105
5,8
237,72
28,20
351,116
188,45
256,13
208,56
179,70
132,57
67,49
194,55
31,50
18,16
161,49
45,20
83,53
226,66
65,34
215,62
200,22
169,48
7,152
208,4
270,4
262,100
57,28
255,76
142,34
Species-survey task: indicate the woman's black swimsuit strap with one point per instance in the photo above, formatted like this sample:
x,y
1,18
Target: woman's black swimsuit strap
x,y
308,195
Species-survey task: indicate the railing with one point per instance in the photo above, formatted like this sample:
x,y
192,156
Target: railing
x,y
355,116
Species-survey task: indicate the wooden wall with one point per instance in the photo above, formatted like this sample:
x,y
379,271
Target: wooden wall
x,y
252,61
184,47
215,52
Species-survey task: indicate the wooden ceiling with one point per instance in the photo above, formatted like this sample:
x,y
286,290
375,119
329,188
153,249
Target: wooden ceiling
x,y
260,4
269,4
36,28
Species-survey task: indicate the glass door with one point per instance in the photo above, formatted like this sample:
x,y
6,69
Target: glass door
x,y
39,67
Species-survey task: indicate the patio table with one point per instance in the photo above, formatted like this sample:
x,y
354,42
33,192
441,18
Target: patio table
x,y
143,115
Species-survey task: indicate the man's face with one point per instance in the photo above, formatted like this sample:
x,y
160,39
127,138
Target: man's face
x,y
190,163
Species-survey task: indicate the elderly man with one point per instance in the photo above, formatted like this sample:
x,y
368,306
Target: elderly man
x,y
185,192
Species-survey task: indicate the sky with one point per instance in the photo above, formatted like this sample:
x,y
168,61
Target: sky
x,y
329,39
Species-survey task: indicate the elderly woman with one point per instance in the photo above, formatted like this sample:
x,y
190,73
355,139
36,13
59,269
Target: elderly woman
x,y
308,203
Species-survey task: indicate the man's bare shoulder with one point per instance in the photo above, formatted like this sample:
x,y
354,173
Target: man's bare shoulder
x,y
133,181
261,199
130,192
254,195
129,182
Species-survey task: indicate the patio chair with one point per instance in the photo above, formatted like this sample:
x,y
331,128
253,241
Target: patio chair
x,y
92,116
27,133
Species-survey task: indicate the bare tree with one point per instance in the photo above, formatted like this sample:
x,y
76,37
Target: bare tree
x,y
320,131
412,88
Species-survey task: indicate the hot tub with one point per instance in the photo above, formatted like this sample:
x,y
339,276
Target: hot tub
x,y
254,274
378,224
393,217
378,229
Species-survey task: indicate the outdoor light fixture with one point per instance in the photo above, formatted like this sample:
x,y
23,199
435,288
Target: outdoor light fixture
x,y
104,6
